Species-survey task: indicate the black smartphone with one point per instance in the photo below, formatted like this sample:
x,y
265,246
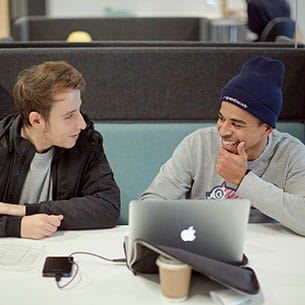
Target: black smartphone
x,y
55,266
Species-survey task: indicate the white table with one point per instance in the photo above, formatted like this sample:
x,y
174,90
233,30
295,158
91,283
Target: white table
x,y
276,254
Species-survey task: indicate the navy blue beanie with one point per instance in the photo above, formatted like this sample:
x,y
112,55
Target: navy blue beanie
x,y
257,89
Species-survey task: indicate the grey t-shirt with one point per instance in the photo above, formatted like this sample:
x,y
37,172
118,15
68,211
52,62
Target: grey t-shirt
x,y
37,186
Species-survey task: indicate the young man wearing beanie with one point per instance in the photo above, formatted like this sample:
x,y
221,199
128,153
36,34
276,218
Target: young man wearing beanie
x,y
244,156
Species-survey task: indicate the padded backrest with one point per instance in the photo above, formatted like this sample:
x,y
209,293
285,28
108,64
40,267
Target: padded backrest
x,y
112,28
164,84
137,150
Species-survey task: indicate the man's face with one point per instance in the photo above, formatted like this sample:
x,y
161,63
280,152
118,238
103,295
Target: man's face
x,y
65,120
236,125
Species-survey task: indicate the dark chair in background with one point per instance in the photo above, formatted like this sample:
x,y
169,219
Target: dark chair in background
x,y
280,26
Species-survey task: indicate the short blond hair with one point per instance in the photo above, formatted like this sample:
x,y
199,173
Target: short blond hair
x,y
36,86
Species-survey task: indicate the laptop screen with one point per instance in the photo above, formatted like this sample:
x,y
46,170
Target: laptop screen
x,y
212,228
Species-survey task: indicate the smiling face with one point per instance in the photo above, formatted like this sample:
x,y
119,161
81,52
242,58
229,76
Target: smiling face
x,y
63,126
236,125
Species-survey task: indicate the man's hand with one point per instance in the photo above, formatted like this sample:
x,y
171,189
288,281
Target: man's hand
x,y
232,167
39,225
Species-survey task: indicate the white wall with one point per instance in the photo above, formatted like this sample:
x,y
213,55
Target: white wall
x,y
298,13
209,8
4,19
87,8
301,18
95,8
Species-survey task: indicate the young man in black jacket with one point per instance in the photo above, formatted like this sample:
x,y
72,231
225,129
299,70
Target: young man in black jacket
x,y
53,170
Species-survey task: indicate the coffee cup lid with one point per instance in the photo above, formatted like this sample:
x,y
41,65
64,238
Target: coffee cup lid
x,y
170,263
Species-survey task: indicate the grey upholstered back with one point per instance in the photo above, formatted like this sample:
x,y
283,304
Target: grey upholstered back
x,y
163,84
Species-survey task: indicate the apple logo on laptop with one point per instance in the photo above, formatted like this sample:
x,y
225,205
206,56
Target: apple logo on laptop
x,y
188,234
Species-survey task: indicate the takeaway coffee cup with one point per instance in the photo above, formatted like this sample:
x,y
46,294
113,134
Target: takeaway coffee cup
x,y
175,278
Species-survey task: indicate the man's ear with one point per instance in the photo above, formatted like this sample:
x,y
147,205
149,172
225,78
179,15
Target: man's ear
x,y
268,130
35,119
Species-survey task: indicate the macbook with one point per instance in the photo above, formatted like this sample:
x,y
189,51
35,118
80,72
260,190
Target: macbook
x,y
212,228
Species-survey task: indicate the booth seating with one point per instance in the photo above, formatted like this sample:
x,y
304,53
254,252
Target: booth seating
x,y
145,100
113,28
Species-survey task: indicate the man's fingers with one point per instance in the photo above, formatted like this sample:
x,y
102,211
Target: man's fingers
x,y
221,151
55,220
39,225
50,229
241,149
52,223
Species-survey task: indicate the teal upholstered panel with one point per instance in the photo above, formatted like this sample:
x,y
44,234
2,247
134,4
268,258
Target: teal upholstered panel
x,y
294,128
137,150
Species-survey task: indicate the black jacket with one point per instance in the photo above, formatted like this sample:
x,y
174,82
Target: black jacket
x,y
84,190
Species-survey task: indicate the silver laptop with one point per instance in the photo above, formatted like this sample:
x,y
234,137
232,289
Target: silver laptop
x,y
213,228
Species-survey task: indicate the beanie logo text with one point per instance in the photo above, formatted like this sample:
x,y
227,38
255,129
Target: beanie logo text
x,y
236,101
